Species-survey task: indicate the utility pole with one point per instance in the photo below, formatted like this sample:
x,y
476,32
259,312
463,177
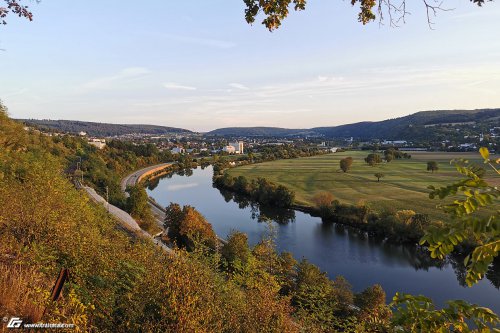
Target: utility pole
x,y
78,165
107,197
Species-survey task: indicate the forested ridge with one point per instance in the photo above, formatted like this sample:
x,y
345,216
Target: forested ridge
x,y
411,127
100,129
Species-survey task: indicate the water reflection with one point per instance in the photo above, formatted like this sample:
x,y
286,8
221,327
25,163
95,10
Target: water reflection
x,y
259,212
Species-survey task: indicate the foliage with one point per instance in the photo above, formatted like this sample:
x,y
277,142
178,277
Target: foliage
x,y
187,227
392,153
346,164
418,314
15,7
467,221
373,310
260,190
432,166
275,10
379,175
118,283
373,159
324,202
138,207
236,251
101,129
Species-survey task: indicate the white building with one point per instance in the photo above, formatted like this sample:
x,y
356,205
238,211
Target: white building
x,y
178,150
229,149
99,143
394,142
238,147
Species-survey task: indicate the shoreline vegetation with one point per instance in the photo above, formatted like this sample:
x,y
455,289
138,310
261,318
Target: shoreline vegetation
x,y
400,227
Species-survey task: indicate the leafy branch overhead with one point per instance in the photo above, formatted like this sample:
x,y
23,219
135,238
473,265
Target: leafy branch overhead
x,y
277,10
15,7
472,193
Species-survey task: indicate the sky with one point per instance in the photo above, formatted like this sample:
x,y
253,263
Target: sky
x,y
199,65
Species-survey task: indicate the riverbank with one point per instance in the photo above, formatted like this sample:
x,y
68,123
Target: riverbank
x,y
336,249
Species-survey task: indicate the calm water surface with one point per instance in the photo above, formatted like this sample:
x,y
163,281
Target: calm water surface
x,y
335,249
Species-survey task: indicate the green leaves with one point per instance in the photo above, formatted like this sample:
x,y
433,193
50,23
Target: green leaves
x,y
274,10
419,314
466,222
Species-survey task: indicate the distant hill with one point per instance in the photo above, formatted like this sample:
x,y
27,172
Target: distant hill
x,y
419,124
101,129
415,126
258,131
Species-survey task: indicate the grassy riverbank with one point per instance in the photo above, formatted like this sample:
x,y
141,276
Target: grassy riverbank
x,y
403,187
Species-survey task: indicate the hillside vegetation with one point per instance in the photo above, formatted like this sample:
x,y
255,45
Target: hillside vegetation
x,y
117,283
411,127
100,129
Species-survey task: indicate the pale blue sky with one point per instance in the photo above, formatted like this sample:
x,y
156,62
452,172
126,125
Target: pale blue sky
x,y
199,65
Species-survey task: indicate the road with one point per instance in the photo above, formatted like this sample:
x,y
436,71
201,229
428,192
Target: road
x,y
127,221
132,180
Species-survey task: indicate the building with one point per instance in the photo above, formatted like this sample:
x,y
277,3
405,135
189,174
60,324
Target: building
x,y
238,147
229,149
99,143
178,150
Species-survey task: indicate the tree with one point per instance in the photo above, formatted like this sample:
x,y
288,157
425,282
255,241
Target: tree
x,y
372,305
15,7
346,163
432,166
187,227
389,154
236,250
324,203
277,10
138,207
373,159
379,175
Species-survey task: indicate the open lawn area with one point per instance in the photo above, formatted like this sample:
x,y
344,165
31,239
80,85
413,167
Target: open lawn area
x,y
404,185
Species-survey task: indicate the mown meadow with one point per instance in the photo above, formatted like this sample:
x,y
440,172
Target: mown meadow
x,y
404,185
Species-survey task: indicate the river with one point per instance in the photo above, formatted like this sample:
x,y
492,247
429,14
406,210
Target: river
x,y
338,250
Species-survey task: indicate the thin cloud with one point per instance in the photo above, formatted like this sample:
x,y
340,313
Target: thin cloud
x,y
239,86
176,86
107,82
179,187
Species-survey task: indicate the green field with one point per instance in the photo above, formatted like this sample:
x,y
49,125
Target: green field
x,y
403,187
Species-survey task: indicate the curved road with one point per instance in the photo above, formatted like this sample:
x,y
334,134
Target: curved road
x,y
132,180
